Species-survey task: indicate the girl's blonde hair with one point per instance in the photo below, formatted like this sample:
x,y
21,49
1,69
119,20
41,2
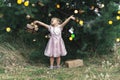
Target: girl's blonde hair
x,y
59,20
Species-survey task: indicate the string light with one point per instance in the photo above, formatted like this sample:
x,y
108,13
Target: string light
x,y
26,3
49,14
34,40
8,29
28,16
118,17
58,6
110,22
33,5
70,38
117,40
119,12
19,1
75,11
81,22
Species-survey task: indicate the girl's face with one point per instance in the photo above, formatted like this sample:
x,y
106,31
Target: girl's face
x,y
54,22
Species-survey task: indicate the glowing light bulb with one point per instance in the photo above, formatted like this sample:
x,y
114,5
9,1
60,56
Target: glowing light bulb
x,y
110,22
70,38
26,3
57,5
19,1
8,29
75,11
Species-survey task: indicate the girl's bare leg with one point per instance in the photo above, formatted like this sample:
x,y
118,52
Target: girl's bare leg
x,y
58,59
51,62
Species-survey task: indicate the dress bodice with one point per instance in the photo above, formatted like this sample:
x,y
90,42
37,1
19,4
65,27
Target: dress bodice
x,y
55,31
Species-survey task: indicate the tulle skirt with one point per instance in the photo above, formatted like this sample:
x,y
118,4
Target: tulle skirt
x,y
55,47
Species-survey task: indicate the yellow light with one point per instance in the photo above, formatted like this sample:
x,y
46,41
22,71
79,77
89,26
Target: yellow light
x,y
110,22
117,40
19,1
26,3
81,22
8,29
70,38
75,11
119,12
58,6
118,17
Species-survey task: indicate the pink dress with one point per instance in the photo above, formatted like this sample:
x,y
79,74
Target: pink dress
x,y
55,46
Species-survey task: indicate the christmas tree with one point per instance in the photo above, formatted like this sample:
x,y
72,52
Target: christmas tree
x,y
95,29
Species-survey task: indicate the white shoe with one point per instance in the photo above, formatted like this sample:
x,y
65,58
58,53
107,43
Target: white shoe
x,y
51,67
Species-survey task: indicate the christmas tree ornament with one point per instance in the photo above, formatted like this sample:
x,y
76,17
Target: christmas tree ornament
x,y
118,17
47,36
67,4
110,22
96,10
117,40
9,4
28,16
19,1
81,22
119,12
75,11
58,6
98,14
33,5
8,29
81,11
119,7
34,40
26,3
49,14
70,38
101,5
41,4
73,36
92,8
71,30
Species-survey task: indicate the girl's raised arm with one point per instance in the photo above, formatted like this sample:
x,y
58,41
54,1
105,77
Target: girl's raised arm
x,y
41,23
67,20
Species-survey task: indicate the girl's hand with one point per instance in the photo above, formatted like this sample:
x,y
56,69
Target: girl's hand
x,y
72,17
35,22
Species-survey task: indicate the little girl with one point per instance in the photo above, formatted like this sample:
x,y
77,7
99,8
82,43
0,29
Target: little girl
x,y
55,47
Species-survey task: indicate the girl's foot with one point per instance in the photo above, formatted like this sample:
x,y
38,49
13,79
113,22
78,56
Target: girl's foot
x,y
51,67
58,66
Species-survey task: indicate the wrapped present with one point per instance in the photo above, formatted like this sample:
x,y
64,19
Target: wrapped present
x,y
74,63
